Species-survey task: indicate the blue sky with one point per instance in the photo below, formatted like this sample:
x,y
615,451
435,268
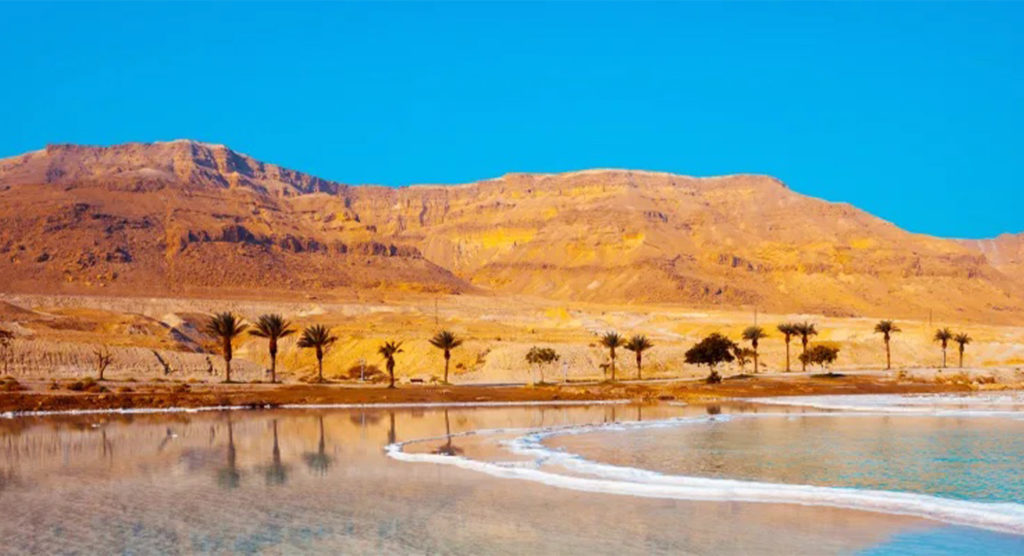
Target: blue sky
x,y
912,111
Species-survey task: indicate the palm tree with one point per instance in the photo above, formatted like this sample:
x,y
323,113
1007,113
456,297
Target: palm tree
x,y
638,344
788,330
805,330
226,326
447,341
388,351
963,339
943,336
612,340
272,327
319,338
754,334
887,328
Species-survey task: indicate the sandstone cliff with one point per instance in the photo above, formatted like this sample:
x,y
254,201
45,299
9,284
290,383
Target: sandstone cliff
x,y
191,218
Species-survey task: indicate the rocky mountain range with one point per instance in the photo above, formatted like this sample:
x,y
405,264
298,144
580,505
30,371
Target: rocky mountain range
x,y
188,218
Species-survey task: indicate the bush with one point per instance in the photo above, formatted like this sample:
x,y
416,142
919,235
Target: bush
x,y
10,384
821,354
87,385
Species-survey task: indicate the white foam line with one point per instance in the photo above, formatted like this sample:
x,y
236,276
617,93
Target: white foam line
x,y
127,411
400,405
894,404
611,479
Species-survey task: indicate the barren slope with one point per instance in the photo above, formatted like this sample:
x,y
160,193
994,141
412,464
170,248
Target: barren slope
x,y
185,217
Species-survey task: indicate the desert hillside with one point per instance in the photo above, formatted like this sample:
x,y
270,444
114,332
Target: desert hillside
x,y
191,219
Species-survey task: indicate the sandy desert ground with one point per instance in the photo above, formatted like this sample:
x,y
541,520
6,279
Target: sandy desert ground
x,y
162,339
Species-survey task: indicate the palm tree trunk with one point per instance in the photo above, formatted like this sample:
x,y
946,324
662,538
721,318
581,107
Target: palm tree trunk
x,y
447,357
943,357
613,364
961,357
273,362
639,365
803,360
391,373
227,358
888,358
319,364
787,354
756,365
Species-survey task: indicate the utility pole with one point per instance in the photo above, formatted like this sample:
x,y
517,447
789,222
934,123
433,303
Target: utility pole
x,y
435,313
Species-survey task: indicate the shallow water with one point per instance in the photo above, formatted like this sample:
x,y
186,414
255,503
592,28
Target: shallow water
x,y
320,480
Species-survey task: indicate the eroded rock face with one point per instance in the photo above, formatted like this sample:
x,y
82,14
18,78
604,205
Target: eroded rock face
x,y
183,216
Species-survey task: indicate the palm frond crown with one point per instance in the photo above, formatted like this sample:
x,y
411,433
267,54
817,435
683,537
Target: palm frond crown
x,y
611,340
389,349
446,340
316,335
886,328
225,325
638,343
272,326
943,335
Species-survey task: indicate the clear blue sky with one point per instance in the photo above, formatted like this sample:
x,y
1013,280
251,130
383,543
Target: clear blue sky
x,y
912,111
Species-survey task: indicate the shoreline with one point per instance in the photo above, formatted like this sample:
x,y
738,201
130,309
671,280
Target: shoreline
x,y
159,397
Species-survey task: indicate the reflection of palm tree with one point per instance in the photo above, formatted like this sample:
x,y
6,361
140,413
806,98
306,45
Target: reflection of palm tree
x,y
391,429
276,473
228,476
447,449
319,461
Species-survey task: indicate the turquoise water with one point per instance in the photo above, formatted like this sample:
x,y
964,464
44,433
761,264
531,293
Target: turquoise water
x,y
965,458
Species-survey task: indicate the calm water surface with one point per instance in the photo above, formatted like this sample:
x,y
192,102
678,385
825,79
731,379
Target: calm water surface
x,y
286,481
